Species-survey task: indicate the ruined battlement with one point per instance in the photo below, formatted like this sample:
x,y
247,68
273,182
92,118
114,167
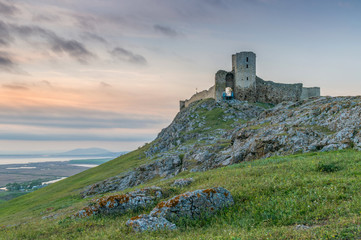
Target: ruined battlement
x,y
247,86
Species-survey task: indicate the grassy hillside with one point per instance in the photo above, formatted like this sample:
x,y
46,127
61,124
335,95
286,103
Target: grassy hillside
x,y
64,194
272,196
6,196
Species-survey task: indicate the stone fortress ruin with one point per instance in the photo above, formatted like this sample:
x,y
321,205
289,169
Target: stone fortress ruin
x,y
243,84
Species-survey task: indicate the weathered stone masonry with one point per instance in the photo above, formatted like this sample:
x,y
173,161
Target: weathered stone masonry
x,y
247,86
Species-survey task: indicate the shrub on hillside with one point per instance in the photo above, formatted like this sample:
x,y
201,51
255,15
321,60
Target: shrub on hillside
x,y
328,167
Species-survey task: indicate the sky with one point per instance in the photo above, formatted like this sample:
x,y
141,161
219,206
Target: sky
x,y
110,73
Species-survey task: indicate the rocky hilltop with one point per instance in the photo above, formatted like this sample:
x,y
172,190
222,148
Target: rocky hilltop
x,y
210,134
163,190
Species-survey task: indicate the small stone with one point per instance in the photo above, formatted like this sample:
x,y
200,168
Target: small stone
x,y
302,227
330,147
182,182
145,222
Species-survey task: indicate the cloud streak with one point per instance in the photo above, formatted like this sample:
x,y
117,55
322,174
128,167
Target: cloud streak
x,y
128,56
85,21
58,44
15,87
5,37
72,137
7,9
93,37
165,30
7,63
74,124
73,118
26,85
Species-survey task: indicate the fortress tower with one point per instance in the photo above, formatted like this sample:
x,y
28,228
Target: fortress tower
x,y
247,86
244,69
242,78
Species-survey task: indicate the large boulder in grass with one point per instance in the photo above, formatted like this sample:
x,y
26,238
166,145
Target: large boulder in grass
x,y
194,205
119,204
148,223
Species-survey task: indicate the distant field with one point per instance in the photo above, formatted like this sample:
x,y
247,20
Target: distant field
x,y
20,172
90,161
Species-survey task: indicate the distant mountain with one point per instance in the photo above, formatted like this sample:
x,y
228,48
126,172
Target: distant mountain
x,y
79,152
89,152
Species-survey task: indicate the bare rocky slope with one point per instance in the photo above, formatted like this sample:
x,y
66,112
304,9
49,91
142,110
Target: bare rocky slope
x,y
210,134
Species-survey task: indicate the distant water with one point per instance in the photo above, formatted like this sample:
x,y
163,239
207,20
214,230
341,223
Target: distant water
x,y
15,168
84,165
24,160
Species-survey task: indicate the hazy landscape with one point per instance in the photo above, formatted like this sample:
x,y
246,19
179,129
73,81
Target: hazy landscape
x,y
46,168
207,119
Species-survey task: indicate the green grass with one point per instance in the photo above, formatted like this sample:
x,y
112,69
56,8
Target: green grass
x,y
256,127
321,129
213,120
271,197
8,195
263,105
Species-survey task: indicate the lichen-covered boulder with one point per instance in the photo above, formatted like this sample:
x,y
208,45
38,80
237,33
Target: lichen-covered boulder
x,y
193,205
141,198
148,223
182,182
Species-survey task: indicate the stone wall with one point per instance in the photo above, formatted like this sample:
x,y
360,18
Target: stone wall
x,y
310,92
271,92
198,96
247,94
220,84
261,91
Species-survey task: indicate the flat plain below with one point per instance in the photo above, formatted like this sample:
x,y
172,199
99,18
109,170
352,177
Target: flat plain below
x,y
10,173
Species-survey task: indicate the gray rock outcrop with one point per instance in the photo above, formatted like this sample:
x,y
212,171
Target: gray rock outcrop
x,y
119,204
210,134
322,124
187,123
192,205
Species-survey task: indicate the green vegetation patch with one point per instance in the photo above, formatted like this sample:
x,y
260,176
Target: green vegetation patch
x,y
214,120
8,195
321,129
259,126
328,166
29,185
